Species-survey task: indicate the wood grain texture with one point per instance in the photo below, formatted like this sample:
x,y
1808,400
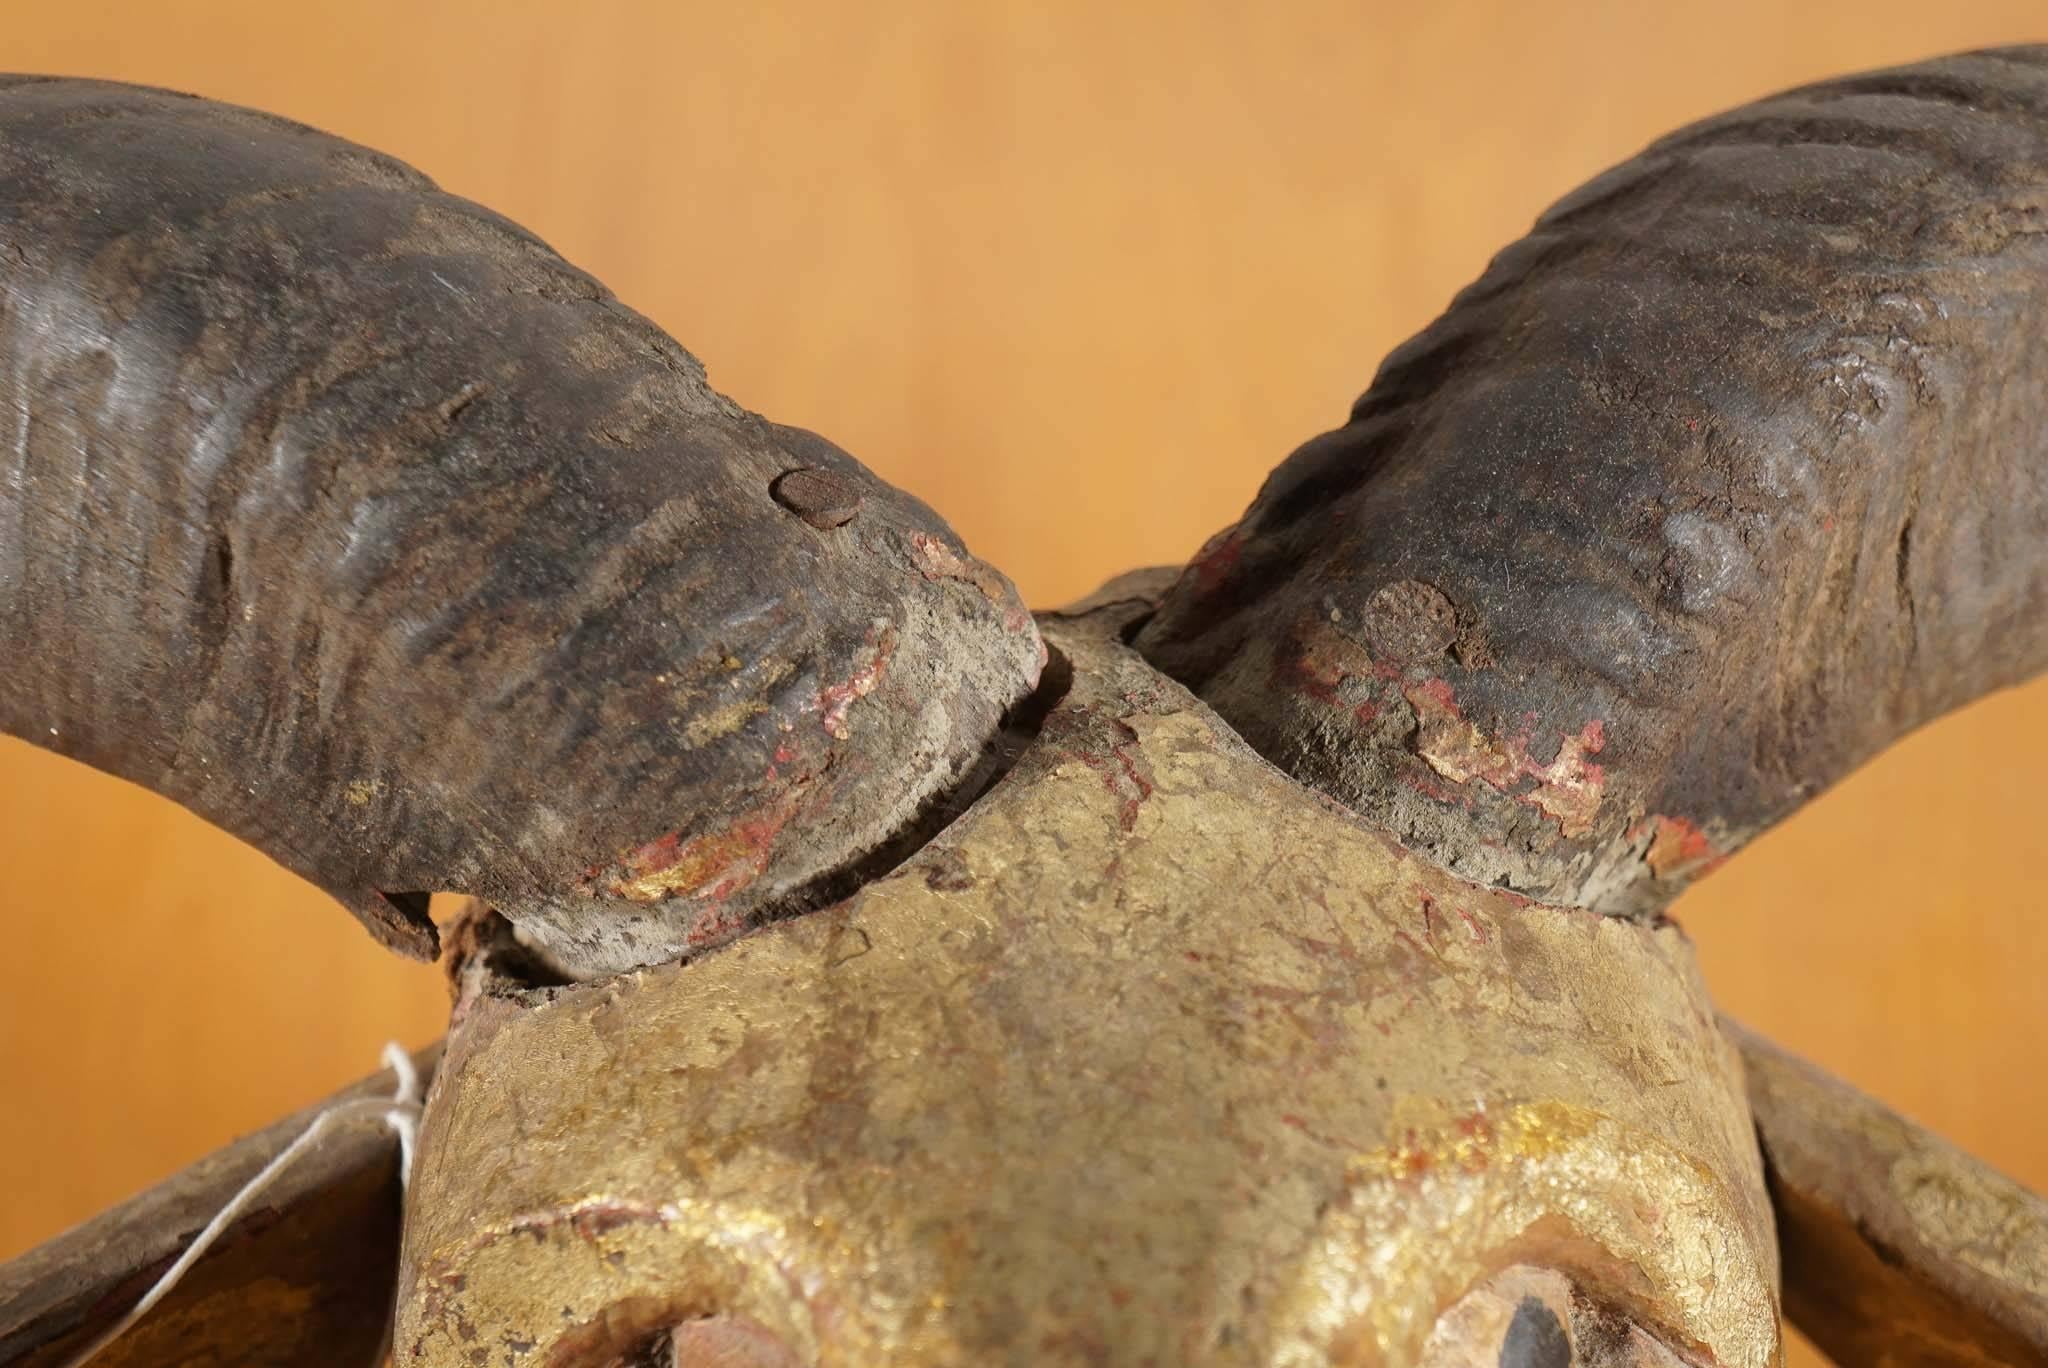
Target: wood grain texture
x,y
1078,276
1900,1250
346,513
1720,480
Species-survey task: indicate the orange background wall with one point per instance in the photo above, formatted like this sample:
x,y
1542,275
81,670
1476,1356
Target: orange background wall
x,y
1078,274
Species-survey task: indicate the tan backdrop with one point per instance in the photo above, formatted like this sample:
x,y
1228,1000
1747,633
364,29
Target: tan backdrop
x,y
1077,274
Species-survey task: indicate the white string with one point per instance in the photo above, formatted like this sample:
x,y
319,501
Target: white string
x,y
400,1113
403,1116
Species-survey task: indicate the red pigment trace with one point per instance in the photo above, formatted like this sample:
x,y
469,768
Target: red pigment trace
x,y
713,866
1568,789
834,699
937,561
1217,559
1678,848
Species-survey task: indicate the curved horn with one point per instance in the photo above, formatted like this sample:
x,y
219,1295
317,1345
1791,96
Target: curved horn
x,y
347,514
1730,472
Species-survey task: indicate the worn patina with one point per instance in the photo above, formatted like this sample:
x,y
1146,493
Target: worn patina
x,y
1154,1057
1898,1247
1726,475
982,1013
349,515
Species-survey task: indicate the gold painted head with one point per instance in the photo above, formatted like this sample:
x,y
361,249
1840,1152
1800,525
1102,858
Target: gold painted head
x,y
1155,1057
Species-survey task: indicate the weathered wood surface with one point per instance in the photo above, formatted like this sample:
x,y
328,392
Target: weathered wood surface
x,y
1153,1057
1724,477
1899,1250
349,515
304,1276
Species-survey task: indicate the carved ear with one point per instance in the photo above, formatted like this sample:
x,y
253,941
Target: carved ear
x,y
304,1275
347,514
1730,472
1898,1247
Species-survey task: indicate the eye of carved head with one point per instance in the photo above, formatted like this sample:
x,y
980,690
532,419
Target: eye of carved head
x,y
1535,1338
1529,1317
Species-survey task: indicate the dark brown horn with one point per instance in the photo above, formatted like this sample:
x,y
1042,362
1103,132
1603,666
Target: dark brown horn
x,y
1730,472
347,514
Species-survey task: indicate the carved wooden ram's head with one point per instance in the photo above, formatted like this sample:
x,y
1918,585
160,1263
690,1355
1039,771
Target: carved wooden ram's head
x,y
1259,963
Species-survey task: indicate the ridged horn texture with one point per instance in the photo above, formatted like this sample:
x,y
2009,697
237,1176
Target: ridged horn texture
x,y
1729,473
347,514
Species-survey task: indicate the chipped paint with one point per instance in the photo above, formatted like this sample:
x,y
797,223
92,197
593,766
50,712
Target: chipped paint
x,y
835,699
1121,772
935,560
1568,789
1318,663
712,866
1300,1128
1677,849
722,722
